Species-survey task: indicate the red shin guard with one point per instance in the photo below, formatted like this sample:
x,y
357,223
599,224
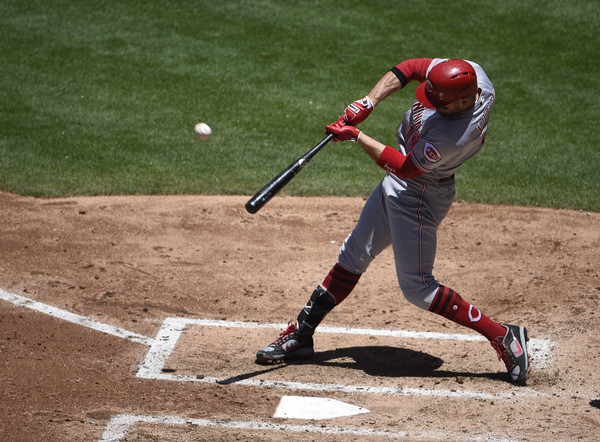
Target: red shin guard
x,y
450,305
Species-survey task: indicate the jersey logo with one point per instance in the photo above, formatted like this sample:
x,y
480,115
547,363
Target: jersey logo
x,y
431,153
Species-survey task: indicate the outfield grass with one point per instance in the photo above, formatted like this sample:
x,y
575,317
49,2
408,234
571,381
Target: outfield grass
x,y
102,97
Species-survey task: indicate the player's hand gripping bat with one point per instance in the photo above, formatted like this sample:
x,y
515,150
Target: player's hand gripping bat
x,y
271,189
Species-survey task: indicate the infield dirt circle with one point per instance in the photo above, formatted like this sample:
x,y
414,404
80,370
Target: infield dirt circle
x,y
90,285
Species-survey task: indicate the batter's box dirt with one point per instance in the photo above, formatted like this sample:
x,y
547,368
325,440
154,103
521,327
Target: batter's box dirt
x,y
362,358
384,374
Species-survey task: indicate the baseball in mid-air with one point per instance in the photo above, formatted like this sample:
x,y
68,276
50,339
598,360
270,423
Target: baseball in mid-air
x,y
203,131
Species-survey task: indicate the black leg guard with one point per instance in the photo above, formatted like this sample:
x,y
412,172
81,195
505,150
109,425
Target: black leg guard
x,y
320,303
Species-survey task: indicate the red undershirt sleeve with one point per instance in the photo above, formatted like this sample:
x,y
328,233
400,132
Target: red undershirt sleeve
x,y
412,69
400,165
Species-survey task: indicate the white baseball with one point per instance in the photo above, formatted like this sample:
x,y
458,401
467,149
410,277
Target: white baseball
x,y
203,131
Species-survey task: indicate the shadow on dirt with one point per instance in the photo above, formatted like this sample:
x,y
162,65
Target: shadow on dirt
x,y
383,361
388,361
378,361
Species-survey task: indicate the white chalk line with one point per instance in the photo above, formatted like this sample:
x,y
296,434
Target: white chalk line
x,y
334,330
512,393
120,425
542,347
21,301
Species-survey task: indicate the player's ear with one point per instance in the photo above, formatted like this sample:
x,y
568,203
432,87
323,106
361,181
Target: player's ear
x,y
467,102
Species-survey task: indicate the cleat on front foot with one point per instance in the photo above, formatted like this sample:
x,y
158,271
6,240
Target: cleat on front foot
x,y
289,345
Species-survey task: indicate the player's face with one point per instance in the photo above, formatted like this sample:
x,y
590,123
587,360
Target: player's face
x,y
455,107
451,108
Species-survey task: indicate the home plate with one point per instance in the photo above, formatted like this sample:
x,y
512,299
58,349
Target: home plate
x,y
300,407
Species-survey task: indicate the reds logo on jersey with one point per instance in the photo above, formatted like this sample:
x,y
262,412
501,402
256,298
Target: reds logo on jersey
x,y
431,153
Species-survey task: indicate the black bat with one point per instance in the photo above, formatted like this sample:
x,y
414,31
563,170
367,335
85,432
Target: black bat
x,y
263,196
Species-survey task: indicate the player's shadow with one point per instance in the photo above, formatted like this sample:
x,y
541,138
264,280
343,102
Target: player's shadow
x,y
386,361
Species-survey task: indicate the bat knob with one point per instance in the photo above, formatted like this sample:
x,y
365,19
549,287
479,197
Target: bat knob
x,y
251,208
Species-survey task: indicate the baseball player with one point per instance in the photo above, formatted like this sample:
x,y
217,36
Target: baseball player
x,y
443,129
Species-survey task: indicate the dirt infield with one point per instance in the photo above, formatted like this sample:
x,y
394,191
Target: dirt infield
x,y
137,318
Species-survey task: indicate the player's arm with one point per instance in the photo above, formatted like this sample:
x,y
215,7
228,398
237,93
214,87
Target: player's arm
x,y
389,158
398,77
386,157
392,81
386,86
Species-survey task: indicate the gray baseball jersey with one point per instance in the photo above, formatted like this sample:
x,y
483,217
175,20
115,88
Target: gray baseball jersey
x,y
440,144
406,213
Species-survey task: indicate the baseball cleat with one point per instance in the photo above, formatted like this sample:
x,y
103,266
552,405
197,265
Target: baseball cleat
x,y
512,349
289,345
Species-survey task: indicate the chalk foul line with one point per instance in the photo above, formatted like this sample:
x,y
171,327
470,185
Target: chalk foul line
x,y
21,301
161,347
119,426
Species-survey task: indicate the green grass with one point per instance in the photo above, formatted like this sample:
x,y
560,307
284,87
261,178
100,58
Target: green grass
x,y
102,97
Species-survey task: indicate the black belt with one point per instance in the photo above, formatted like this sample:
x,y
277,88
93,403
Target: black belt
x,y
448,178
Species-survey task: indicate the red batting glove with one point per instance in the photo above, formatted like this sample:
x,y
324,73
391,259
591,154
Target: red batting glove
x,y
358,111
343,132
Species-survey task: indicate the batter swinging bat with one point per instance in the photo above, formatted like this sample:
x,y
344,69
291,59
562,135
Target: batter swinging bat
x,y
263,196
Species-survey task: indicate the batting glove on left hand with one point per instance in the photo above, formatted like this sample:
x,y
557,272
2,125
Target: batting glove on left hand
x,y
343,132
358,111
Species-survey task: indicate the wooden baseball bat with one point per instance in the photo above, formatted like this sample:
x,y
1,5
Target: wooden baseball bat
x,y
264,195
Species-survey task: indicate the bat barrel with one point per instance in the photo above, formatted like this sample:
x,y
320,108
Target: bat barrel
x,y
274,186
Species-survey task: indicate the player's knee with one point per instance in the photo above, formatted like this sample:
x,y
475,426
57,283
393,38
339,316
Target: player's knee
x,y
421,297
353,259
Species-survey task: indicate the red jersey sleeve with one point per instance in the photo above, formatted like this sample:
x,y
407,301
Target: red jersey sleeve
x,y
412,69
400,165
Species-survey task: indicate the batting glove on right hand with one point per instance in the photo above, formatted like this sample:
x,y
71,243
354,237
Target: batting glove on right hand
x,y
343,132
358,111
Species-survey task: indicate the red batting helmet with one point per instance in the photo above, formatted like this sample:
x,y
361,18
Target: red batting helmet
x,y
446,82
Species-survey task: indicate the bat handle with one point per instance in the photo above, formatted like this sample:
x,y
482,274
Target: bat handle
x,y
319,146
